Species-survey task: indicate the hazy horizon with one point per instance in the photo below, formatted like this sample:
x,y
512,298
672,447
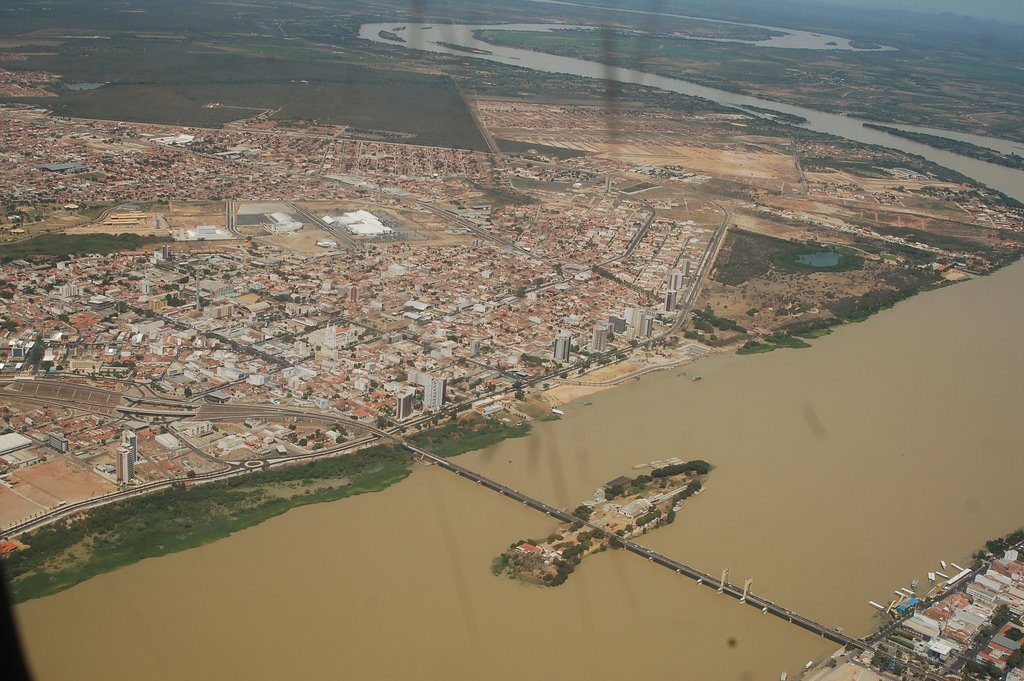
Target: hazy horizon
x,y
1003,10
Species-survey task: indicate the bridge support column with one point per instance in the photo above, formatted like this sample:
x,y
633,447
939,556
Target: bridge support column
x,y
725,580
746,589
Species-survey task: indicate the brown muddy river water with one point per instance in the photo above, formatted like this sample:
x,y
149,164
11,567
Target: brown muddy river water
x,y
843,471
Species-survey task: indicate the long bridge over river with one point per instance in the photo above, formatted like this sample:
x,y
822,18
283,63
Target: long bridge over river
x,y
144,405
741,594
722,586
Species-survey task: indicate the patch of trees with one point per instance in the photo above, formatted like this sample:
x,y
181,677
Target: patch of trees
x,y
697,467
1001,617
987,669
648,518
1000,545
583,512
706,319
687,492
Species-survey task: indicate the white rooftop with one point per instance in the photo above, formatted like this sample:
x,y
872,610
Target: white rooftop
x,y
361,223
177,139
12,442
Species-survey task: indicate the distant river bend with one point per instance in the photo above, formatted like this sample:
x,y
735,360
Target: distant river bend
x,y
426,37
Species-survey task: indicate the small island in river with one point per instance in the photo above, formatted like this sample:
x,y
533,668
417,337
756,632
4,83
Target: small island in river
x,y
625,508
462,48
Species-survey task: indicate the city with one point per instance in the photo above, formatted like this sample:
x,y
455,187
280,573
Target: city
x,y
350,255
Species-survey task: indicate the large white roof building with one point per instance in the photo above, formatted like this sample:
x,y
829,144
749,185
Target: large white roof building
x,y
361,223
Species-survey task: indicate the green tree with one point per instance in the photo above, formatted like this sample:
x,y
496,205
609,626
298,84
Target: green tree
x,y
583,512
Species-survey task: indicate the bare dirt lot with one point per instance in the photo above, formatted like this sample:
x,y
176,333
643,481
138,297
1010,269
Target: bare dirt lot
x,y
41,486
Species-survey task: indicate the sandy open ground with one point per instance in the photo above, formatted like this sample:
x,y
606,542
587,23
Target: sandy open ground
x,y
564,394
14,507
43,485
848,672
757,167
303,241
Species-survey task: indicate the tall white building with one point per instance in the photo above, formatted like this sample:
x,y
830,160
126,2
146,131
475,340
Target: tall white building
x,y
131,440
675,280
635,316
599,339
646,327
126,456
562,346
433,392
69,291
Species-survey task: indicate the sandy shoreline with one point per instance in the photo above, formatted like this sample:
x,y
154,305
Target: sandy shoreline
x,y
565,393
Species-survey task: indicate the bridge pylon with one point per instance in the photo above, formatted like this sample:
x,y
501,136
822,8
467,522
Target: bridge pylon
x,y
725,580
746,589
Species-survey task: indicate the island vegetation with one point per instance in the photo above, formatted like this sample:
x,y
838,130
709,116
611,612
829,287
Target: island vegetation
x,y
65,245
463,48
956,146
625,508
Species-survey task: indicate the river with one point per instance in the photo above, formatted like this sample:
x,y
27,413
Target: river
x,y
426,37
842,472
787,38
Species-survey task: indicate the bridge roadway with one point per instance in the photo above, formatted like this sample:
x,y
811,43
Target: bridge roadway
x,y
705,579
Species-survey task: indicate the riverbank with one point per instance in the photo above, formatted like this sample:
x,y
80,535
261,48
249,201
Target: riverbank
x,y
803,459
110,537
467,435
1014,161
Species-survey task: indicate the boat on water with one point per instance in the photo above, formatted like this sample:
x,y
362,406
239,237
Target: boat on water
x,y
558,412
914,582
784,676
810,663
697,378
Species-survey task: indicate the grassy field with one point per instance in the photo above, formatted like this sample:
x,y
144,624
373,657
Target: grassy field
x,y
775,341
467,435
747,255
767,269
61,245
